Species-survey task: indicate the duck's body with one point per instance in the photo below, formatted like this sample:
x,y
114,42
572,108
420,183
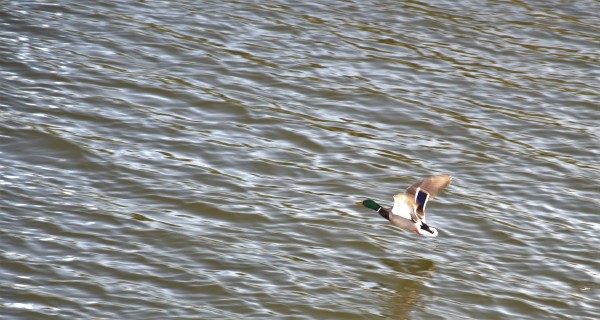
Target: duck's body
x,y
408,212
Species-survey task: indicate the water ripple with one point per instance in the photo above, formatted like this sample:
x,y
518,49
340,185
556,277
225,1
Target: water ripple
x,y
176,161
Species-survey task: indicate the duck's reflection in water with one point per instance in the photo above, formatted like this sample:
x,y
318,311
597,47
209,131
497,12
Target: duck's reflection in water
x,y
406,288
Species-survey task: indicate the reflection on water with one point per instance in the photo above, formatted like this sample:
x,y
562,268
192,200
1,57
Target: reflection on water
x,y
417,267
405,287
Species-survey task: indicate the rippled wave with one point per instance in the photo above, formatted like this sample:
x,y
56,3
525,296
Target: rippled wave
x,y
201,160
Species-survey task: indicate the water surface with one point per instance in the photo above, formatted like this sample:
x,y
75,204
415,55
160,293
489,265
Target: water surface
x,y
201,160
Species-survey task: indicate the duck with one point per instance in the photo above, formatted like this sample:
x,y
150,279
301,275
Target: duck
x,y
408,212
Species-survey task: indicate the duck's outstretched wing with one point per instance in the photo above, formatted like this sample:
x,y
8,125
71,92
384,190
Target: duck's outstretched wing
x,y
404,206
426,189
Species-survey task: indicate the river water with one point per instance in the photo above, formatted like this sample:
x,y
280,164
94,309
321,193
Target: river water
x,y
201,159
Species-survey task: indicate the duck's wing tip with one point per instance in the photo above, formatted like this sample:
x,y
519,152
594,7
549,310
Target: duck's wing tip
x,y
432,185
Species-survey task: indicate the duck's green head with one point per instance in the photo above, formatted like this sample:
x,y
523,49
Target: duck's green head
x,y
369,204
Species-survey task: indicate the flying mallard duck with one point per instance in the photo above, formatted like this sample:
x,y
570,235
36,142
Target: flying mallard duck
x,y
408,211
